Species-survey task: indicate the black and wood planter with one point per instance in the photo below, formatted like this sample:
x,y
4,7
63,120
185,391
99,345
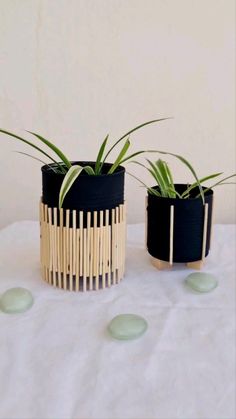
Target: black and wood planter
x,y
179,230
83,244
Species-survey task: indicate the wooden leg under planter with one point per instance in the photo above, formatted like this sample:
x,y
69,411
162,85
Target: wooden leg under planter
x,y
161,264
198,264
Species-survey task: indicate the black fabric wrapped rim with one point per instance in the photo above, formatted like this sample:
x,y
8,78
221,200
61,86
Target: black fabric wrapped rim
x,y
88,192
188,225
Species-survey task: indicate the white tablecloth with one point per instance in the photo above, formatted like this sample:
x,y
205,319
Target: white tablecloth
x,y
57,360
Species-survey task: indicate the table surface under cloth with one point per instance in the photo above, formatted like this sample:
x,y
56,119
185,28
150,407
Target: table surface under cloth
x,y
57,360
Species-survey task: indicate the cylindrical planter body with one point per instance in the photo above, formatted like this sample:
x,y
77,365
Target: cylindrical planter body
x,y
88,193
179,230
83,244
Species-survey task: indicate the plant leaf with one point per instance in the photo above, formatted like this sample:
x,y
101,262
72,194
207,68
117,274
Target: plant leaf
x,y
36,158
120,157
136,154
89,170
56,150
202,180
29,155
98,163
153,191
174,193
183,160
171,181
68,181
158,177
29,143
130,132
218,183
161,167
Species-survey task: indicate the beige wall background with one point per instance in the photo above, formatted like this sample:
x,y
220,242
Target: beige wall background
x,y
74,70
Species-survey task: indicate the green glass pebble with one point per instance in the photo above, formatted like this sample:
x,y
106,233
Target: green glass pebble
x,y
16,300
201,281
127,326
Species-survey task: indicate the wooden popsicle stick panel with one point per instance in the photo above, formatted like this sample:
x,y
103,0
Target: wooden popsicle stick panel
x,y
82,257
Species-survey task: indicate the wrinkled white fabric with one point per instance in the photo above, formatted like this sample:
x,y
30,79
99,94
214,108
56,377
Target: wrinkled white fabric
x,y
58,362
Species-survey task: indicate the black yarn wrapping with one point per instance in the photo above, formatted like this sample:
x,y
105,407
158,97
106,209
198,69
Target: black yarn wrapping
x,y
188,226
88,193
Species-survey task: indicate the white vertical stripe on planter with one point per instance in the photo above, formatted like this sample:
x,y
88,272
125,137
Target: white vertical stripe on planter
x,y
204,231
84,258
171,234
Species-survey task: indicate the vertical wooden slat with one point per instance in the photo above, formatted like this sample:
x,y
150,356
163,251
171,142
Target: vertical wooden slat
x,y
119,235
204,236
77,259
117,244
41,223
108,244
81,245
100,243
212,221
51,244
55,271
67,241
64,231
109,257
121,240
88,245
58,257
84,260
42,241
91,256
146,222
124,237
74,241
104,248
97,257
60,248
171,234
72,235
70,259
96,245
113,246
67,249
101,254
47,242
70,266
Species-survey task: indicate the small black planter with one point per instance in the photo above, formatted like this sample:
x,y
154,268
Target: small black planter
x,y
188,217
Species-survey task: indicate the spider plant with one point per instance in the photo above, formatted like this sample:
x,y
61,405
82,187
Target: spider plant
x,y
163,177
71,172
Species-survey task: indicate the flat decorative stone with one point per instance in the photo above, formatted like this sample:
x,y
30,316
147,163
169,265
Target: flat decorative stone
x,y
201,281
127,326
16,300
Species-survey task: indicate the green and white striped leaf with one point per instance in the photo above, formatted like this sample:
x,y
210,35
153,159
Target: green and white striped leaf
x,y
68,181
130,132
221,182
28,143
56,150
36,158
194,185
120,157
98,163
